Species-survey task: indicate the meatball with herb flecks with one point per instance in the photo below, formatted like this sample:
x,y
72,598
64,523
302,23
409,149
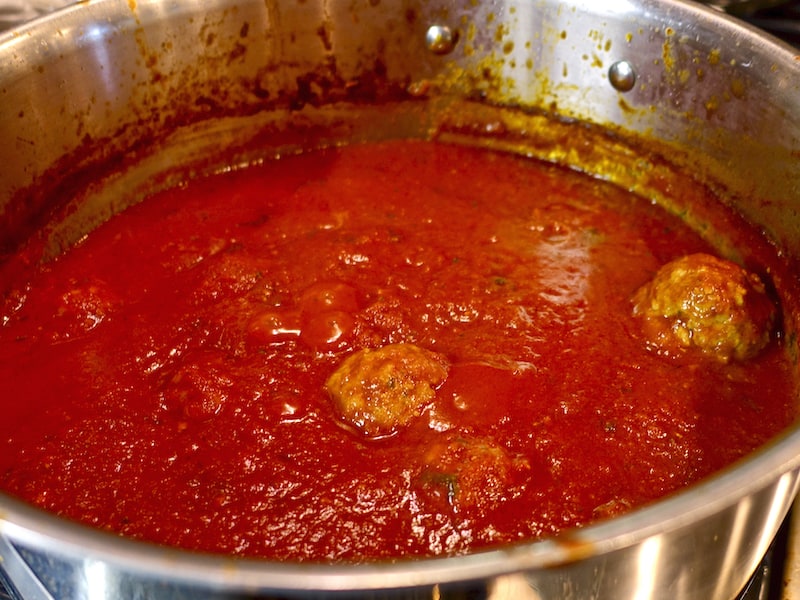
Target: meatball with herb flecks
x,y
700,302
470,473
377,391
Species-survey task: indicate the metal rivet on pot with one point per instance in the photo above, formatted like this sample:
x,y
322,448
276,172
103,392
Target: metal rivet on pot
x,y
622,76
440,39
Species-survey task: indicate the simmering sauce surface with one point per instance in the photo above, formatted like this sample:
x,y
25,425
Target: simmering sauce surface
x,y
166,378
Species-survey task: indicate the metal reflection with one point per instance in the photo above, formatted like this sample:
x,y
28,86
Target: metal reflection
x,y
649,555
96,580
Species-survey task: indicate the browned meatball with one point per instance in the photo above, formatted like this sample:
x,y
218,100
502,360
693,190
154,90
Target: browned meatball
x,y
705,303
377,391
469,472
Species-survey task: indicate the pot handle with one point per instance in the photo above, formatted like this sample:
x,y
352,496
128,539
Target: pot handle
x,y
19,575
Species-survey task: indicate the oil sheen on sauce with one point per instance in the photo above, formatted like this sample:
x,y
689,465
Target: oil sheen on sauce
x,y
165,379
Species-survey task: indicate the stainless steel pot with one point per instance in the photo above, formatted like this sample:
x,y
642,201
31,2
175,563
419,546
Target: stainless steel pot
x,y
108,99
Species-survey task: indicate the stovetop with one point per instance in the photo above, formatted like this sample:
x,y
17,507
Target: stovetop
x,y
782,21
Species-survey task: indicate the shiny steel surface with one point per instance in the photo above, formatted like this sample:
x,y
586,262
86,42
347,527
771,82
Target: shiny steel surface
x,y
162,82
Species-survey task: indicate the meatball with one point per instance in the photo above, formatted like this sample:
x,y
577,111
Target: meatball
x,y
705,303
378,391
199,388
82,308
469,472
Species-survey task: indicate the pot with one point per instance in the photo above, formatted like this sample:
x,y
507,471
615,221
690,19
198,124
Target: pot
x,y
108,100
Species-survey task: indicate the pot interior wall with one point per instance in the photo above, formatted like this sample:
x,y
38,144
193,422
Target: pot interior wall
x,y
150,86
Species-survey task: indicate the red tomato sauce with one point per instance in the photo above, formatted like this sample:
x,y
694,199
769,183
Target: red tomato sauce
x,y
165,379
